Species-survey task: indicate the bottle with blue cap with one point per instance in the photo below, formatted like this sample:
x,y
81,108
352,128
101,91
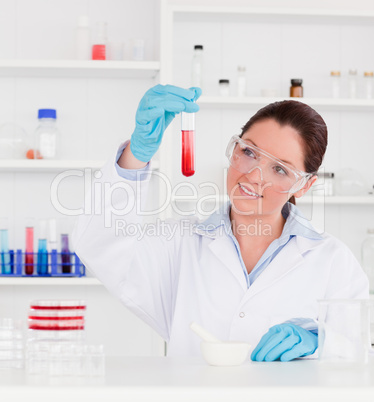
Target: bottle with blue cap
x,y
47,134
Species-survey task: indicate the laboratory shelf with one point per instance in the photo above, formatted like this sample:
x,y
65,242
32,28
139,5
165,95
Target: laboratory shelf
x,y
239,14
48,281
31,165
79,68
56,165
231,102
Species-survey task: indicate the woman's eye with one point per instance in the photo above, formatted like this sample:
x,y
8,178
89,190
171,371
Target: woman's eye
x,y
280,170
248,152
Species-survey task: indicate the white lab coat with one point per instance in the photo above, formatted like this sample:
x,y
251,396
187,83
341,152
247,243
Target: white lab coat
x,y
197,276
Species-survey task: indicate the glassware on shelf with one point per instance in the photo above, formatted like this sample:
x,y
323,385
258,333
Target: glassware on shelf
x,y
352,83
367,256
350,182
47,134
83,39
368,84
296,89
100,43
13,141
325,184
224,87
11,343
138,49
335,84
241,81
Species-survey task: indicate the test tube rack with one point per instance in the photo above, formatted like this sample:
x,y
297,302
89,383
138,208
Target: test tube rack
x,y
54,265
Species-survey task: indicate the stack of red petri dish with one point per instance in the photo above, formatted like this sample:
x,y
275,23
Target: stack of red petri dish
x,y
57,315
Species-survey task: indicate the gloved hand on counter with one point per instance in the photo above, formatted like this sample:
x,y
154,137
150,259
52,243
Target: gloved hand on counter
x,y
156,110
285,342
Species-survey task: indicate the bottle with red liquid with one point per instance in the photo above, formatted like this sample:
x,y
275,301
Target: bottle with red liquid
x,y
99,47
188,143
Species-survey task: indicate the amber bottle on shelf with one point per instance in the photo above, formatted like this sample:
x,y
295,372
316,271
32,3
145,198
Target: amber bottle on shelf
x,y
296,90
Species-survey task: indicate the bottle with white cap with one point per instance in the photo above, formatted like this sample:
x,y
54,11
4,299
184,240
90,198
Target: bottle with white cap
x,y
83,39
47,134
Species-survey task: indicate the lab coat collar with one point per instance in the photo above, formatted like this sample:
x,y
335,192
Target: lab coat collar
x,y
218,228
296,224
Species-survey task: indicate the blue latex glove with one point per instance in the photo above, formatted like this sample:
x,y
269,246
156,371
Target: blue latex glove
x,y
285,342
156,110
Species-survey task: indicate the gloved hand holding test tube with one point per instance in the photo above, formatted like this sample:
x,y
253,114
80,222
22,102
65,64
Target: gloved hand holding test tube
x,y
156,111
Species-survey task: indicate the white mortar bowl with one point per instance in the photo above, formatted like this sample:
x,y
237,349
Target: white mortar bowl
x,y
229,353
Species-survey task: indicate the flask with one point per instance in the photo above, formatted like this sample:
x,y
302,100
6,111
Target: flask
x,y
335,84
46,134
242,81
197,66
296,90
99,47
83,39
352,83
368,84
367,254
138,49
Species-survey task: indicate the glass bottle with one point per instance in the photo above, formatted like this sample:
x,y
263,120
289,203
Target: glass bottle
x,y
99,46
47,134
224,87
242,81
296,90
197,66
368,84
335,84
352,83
83,39
367,253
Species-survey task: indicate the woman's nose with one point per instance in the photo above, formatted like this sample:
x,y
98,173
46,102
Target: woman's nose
x,y
256,173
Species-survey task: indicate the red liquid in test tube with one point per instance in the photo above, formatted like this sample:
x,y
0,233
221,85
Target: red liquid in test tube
x,y
29,254
188,144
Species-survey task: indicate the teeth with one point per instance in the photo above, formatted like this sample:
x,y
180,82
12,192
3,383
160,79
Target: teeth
x,y
249,192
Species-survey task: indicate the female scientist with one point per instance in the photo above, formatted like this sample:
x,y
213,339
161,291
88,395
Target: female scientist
x,y
239,284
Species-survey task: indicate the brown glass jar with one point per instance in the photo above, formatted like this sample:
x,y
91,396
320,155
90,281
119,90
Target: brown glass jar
x,y
296,90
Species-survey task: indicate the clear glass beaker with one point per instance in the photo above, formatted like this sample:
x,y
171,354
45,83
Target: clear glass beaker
x,y
344,330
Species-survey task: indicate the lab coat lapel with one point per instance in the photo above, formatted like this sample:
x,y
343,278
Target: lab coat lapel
x,y
224,249
288,259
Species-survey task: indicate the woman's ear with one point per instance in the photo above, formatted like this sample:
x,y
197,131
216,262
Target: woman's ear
x,y
307,186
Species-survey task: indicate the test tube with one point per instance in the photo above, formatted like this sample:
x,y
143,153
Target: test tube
x,y
42,264
29,254
65,254
52,234
188,143
6,267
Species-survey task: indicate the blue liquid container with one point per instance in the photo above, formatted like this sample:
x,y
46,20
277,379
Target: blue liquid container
x,y
42,264
6,267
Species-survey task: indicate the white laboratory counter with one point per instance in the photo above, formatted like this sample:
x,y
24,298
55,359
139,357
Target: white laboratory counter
x,y
191,379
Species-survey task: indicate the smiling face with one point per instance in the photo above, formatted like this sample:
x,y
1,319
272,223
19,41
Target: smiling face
x,y
249,192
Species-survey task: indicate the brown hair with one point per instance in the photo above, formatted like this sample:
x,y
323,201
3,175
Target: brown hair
x,y
306,121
